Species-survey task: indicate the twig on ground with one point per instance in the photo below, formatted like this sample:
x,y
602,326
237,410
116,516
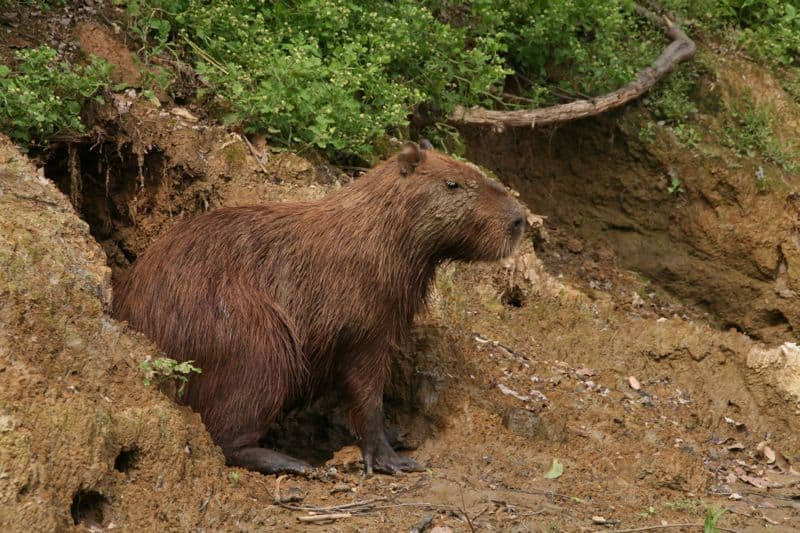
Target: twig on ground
x,y
323,517
665,526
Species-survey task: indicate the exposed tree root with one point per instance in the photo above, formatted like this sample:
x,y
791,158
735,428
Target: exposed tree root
x,y
681,48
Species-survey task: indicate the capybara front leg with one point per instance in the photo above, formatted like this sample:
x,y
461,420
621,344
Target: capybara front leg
x,y
364,387
253,457
378,454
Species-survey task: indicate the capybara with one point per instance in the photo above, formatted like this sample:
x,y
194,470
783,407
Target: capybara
x,y
283,302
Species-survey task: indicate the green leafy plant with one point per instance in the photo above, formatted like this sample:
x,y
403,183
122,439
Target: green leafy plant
x,y
751,132
768,29
713,516
648,512
42,95
164,370
341,74
675,187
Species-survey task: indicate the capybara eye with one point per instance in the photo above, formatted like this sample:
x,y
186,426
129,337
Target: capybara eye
x,y
451,184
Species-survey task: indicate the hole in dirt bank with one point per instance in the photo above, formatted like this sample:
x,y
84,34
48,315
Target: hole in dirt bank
x,y
513,297
126,459
775,317
87,508
118,193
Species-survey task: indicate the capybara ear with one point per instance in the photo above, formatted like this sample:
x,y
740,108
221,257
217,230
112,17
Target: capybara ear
x,y
425,144
409,158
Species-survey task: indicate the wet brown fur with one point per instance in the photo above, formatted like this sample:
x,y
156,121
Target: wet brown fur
x,y
281,302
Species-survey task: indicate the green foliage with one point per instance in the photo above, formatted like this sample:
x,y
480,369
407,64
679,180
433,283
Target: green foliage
x,y
768,29
713,516
670,99
751,132
340,74
675,187
577,47
42,95
332,73
164,370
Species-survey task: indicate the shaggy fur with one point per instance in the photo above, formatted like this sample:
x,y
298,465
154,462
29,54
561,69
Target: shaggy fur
x,y
281,302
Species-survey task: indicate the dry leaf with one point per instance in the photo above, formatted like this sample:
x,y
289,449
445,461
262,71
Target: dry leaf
x,y
586,372
759,482
184,114
511,392
555,471
766,452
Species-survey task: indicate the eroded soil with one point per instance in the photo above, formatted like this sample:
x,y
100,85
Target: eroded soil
x,y
515,365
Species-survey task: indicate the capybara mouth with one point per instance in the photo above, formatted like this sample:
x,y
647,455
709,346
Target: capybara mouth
x,y
515,231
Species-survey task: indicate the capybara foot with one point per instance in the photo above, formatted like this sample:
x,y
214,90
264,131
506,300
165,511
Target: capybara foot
x,y
267,461
387,461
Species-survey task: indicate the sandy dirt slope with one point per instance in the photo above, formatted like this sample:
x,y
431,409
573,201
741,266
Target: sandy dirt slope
x,y
654,414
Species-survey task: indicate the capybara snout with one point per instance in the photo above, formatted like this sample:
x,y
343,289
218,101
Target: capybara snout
x,y
474,217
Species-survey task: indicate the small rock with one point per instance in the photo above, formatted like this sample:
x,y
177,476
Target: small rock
x,y
293,495
634,383
528,424
341,487
637,300
184,114
574,245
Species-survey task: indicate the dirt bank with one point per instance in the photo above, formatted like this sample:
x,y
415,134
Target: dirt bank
x,y
654,411
721,240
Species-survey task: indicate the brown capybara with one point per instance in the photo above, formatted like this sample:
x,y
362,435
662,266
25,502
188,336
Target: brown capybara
x,y
282,302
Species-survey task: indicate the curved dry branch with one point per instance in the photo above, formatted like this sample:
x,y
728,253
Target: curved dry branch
x,y
680,49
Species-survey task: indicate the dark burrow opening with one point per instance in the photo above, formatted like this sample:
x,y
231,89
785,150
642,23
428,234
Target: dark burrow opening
x,y
127,459
513,296
117,192
87,508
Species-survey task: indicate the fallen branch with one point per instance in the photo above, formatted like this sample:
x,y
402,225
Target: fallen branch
x,y
680,49
255,154
668,526
323,517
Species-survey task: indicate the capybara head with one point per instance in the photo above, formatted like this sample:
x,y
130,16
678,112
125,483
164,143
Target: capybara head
x,y
464,214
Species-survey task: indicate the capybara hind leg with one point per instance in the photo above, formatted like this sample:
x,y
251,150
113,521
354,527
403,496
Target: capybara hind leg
x,y
266,461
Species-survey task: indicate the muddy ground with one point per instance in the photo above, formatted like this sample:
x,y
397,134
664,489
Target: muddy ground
x,y
640,338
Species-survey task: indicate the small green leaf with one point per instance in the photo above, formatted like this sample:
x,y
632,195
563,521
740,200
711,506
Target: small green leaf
x,y
555,471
